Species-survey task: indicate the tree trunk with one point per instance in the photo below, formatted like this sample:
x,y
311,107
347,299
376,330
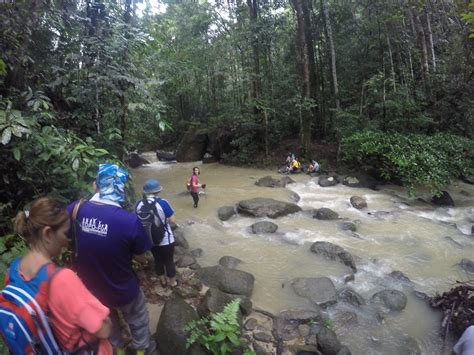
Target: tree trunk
x,y
392,67
430,40
422,41
332,50
305,122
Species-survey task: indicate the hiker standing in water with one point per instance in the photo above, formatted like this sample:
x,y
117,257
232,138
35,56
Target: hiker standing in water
x,y
195,185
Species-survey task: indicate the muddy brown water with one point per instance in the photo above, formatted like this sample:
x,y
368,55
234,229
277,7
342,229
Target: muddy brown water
x,y
395,232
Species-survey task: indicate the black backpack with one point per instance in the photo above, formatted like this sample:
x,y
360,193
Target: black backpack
x,y
151,220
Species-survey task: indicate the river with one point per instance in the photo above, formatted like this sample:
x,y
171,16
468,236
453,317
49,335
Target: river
x,y
395,232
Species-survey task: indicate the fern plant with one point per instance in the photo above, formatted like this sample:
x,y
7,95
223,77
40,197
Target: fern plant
x,y
217,332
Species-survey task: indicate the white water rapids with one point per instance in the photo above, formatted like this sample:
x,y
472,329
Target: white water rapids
x,y
395,232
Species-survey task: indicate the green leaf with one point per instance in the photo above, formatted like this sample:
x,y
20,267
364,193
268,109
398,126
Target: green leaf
x,y
6,135
75,164
219,337
233,338
17,153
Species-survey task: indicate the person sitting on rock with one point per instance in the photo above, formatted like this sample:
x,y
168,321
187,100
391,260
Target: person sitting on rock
x,y
295,166
313,167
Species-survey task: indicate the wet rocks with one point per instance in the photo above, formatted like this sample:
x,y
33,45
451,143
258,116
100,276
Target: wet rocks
x,y
358,202
229,262
334,252
170,334
326,181
286,324
186,261
328,341
350,296
294,196
267,207
392,299
227,280
215,301
269,181
343,320
180,239
467,265
319,290
360,180
134,160
444,199
165,156
325,214
226,212
348,226
263,227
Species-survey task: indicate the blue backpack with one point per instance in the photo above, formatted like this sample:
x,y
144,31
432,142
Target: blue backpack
x,y
24,324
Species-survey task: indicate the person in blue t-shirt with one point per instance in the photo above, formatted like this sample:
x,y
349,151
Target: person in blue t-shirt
x,y
162,253
107,239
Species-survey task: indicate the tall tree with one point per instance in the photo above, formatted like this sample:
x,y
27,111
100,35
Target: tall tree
x,y
332,51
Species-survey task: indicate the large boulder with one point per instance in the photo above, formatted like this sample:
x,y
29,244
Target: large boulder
x,y
215,301
227,280
226,212
325,214
319,290
192,147
263,227
267,207
170,334
165,156
134,160
334,252
444,199
269,181
220,143
392,299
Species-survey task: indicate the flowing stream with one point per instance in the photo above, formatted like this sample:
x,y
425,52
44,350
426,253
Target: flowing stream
x,y
395,232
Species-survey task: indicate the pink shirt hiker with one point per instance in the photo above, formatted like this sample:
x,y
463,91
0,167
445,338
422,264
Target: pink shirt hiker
x,y
194,181
76,313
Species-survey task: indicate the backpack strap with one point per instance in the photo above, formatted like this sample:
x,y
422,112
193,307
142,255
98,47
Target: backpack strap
x,y
157,200
32,306
75,211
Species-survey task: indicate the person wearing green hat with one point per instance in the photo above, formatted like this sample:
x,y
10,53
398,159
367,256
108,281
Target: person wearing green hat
x,y
156,215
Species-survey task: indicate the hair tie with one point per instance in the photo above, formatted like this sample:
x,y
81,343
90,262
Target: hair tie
x,y
27,214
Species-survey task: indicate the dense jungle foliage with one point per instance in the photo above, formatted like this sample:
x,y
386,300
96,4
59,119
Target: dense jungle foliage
x,y
84,81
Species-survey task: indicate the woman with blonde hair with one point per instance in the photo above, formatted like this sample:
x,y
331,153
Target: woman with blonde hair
x,y
80,323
